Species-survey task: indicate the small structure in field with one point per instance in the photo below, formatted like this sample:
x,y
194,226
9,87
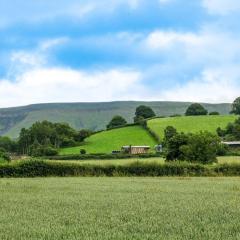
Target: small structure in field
x,y
159,148
135,149
234,144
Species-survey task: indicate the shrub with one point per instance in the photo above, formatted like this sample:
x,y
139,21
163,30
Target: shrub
x,y
214,113
4,155
83,151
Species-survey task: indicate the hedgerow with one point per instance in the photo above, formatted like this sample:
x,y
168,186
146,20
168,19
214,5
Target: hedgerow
x,y
45,169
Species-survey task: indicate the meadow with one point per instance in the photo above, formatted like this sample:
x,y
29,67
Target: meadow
x,y
107,141
119,208
190,124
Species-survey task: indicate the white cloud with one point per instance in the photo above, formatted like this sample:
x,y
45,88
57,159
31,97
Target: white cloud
x,y
214,85
222,7
68,85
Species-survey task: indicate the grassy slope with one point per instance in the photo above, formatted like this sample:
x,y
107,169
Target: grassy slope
x,y
191,124
120,208
105,142
86,115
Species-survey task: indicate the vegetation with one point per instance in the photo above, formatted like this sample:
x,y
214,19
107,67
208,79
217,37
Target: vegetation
x,y
199,147
143,112
231,132
94,116
121,208
191,124
236,106
117,121
214,113
107,141
196,109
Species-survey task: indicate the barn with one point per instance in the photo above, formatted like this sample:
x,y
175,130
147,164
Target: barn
x,y
135,149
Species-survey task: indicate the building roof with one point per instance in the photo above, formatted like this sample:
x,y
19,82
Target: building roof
x,y
232,143
136,146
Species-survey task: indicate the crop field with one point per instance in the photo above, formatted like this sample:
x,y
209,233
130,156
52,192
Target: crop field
x,y
121,162
191,124
105,142
119,208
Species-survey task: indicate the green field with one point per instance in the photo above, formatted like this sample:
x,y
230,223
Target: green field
x,y
105,142
119,208
191,124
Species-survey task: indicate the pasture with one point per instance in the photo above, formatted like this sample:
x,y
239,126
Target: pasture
x,y
106,141
119,208
190,124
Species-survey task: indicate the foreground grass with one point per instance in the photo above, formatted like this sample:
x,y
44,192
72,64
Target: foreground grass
x,y
119,208
191,124
107,141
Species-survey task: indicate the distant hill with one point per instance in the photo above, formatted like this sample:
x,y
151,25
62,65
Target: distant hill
x,y
94,116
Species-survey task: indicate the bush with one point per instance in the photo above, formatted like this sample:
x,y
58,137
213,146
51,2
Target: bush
x,y
83,151
43,151
214,113
117,121
4,155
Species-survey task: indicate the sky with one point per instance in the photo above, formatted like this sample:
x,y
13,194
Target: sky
x,y
91,51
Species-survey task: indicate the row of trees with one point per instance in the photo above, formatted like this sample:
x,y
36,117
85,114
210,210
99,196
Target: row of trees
x,y
44,138
144,112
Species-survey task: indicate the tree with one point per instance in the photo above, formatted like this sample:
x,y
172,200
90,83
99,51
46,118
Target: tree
x,y
236,106
169,132
214,113
82,135
117,121
196,109
143,112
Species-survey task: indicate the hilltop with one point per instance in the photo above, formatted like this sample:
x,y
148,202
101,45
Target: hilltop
x,y
94,116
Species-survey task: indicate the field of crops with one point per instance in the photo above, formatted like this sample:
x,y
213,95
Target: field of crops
x,y
105,142
119,208
122,162
191,124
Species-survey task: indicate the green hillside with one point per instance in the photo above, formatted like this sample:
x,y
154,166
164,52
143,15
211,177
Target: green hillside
x,y
105,142
191,124
94,116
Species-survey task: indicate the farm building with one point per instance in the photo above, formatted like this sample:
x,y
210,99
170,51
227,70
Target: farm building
x,y
235,144
135,149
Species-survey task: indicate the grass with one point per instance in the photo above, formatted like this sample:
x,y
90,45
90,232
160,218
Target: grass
x,y
119,208
107,141
191,124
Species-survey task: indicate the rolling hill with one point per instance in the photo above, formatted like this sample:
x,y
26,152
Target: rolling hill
x,y
107,141
94,116
190,124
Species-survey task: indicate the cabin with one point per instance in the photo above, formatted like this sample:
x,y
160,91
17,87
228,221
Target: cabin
x,y
234,144
135,149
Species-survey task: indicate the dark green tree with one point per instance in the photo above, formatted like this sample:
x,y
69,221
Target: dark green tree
x,y
236,106
117,121
143,112
196,109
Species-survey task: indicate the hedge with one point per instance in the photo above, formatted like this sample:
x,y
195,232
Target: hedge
x,y
101,156
47,169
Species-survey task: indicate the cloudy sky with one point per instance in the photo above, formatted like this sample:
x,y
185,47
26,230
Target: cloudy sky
x,y
91,50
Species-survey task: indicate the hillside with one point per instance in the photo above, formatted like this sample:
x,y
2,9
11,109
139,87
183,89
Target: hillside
x,y
107,141
94,116
191,124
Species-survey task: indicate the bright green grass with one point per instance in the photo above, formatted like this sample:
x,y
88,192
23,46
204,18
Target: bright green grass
x,y
191,124
105,142
229,159
119,208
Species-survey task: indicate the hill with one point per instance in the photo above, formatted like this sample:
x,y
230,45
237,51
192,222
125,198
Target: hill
x,y
107,141
190,124
94,116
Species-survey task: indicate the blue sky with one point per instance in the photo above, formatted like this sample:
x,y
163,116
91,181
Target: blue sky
x,y
89,50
